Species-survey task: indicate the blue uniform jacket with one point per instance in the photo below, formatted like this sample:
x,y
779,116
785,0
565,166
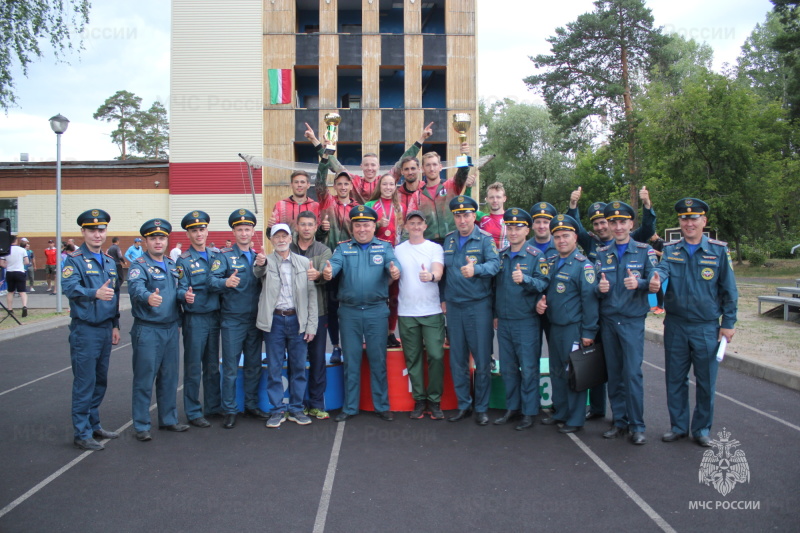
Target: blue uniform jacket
x,y
365,272
144,277
81,276
591,242
514,301
240,301
701,287
480,247
194,272
570,297
619,301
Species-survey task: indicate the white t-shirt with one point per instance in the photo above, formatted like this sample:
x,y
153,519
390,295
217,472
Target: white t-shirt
x,y
15,260
418,298
175,253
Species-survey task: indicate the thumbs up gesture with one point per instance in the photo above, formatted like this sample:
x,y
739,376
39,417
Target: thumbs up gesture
x,y
631,282
326,224
644,196
517,276
541,305
154,299
233,281
327,272
189,296
105,292
313,273
394,272
655,283
261,259
574,197
468,270
383,222
424,275
603,285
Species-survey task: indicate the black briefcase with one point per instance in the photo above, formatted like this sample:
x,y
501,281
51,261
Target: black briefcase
x,y
587,368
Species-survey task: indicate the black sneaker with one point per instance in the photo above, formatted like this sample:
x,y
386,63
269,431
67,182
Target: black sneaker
x,y
392,342
419,410
436,411
336,355
24,312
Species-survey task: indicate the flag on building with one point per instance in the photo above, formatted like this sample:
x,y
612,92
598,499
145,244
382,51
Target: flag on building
x,y
280,85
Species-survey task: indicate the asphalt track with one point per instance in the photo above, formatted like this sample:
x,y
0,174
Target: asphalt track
x,y
369,475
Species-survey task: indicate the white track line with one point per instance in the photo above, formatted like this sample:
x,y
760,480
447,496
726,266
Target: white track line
x,y
327,487
649,511
55,475
51,374
737,402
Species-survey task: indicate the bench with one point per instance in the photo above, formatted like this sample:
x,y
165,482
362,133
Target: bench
x,y
793,291
782,300
797,282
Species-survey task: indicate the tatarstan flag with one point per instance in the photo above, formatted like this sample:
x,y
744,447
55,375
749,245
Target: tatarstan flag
x,y
280,85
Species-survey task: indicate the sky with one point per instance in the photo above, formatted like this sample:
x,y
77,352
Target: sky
x,y
128,48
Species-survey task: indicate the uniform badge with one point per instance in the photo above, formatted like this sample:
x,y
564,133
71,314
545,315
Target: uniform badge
x,y
707,274
377,259
689,202
134,273
67,271
543,268
215,265
472,259
195,214
560,287
180,272
610,260
636,274
588,273
242,212
653,260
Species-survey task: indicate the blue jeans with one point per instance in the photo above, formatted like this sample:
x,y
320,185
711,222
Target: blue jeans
x,y
284,340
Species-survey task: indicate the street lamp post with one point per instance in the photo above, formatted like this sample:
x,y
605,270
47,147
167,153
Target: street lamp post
x,y
59,124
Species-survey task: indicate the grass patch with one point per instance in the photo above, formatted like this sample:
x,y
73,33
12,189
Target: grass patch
x,y
34,315
774,268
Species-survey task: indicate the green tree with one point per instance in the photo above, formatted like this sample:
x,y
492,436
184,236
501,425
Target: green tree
x,y
25,25
530,160
151,132
788,45
123,108
593,70
761,65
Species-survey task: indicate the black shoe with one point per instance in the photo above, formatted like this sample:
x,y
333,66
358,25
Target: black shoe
x,y
392,342
460,415
177,428
419,410
256,413
88,444
481,418
24,314
386,416
703,440
336,355
143,436
103,434
551,421
435,410
200,422
671,436
508,415
638,437
525,423
591,416
614,432
341,417
229,421
569,429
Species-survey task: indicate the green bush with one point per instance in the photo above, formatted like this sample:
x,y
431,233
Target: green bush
x,y
756,257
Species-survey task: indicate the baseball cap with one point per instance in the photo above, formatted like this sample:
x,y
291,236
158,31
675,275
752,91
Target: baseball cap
x,y
137,239
280,227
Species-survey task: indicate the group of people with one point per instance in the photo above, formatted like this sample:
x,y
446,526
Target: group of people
x,y
414,252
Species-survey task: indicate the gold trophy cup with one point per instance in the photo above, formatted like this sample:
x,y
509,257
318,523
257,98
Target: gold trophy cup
x,y
461,123
332,121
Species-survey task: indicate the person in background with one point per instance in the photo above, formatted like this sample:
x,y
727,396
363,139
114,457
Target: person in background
x,y
119,260
30,272
175,253
135,251
50,265
15,264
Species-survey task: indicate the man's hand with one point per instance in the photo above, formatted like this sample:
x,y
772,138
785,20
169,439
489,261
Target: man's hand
x,y
115,336
655,283
272,221
631,282
308,337
587,342
444,308
189,296
644,196
727,333
470,180
233,281
603,285
105,292
154,299
541,305
313,273
424,275
383,222
468,270
309,134
574,197
426,133
326,224
394,272
465,148
327,272
261,259
517,277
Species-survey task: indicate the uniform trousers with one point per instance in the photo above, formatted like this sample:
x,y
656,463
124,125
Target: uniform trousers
x,y
201,362
366,324
90,351
520,348
597,395
424,333
623,345
155,359
240,336
568,405
690,344
317,367
469,328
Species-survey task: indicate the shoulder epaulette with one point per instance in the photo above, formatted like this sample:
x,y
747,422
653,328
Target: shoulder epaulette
x,y
603,248
672,243
532,250
76,253
715,241
580,257
641,244
141,260
450,233
226,249
187,254
485,233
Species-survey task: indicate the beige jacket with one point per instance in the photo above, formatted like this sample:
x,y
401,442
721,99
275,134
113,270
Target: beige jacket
x,y
303,292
